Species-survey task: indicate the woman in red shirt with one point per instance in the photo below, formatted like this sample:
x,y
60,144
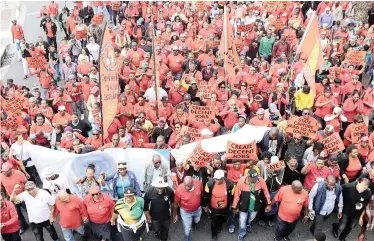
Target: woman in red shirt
x,y
351,107
176,136
351,165
245,94
364,147
315,172
335,119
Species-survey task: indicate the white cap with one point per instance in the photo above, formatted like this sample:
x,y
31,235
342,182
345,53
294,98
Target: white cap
x,y
61,108
219,174
206,132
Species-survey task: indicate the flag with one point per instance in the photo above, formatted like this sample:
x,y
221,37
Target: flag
x,y
108,82
310,46
227,48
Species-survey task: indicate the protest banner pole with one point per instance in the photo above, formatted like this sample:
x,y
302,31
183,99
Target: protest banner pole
x,y
101,94
300,44
155,67
225,41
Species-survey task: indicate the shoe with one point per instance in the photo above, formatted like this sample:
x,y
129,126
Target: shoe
x,y
286,239
232,229
261,223
342,239
240,238
21,231
335,233
25,76
249,229
271,223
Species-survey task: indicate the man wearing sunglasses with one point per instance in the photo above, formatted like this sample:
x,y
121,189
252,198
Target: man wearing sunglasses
x,y
155,170
40,206
129,214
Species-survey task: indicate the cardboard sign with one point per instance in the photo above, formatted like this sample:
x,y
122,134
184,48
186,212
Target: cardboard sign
x,y
201,113
98,19
307,127
11,122
333,144
36,62
236,151
355,57
199,157
80,34
194,133
200,6
356,131
205,91
278,24
276,166
244,28
274,6
12,105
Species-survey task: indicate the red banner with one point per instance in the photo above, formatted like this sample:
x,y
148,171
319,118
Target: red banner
x,y
194,133
36,62
108,82
355,57
356,131
276,166
201,113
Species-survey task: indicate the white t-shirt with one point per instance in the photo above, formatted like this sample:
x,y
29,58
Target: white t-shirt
x,y
150,94
20,152
56,185
37,208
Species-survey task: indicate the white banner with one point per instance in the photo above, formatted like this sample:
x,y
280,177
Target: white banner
x,y
73,166
246,134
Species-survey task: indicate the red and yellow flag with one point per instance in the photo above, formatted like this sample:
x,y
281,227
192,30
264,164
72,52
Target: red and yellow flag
x,y
108,82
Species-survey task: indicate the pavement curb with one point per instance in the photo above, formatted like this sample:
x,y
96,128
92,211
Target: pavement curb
x,y
7,40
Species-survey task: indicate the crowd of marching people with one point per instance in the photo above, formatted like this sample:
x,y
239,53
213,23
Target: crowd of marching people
x,y
265,88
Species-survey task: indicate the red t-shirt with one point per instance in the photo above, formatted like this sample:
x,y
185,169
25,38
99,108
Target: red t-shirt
x,y
291,203
235,175
17,177
189,200
70,212
99,212
219,196
9,217
314,175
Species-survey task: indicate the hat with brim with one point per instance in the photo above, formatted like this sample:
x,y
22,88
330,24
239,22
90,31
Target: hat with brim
x,y
48,172
252,173
160,183
130,191
122,165
219,174
61,108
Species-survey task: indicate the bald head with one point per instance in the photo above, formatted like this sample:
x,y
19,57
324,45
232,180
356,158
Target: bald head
x,y
331,182
297,186
188,183
63,196
273,133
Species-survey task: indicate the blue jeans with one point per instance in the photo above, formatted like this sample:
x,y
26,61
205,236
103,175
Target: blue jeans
x,y
56,67
68,233
245,219
187,219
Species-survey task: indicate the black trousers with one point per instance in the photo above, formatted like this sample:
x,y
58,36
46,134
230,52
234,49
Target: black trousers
x,y
318,223
216,221
284,229
345,225
11,236
33,173
37,229
21,218
52,41
161,227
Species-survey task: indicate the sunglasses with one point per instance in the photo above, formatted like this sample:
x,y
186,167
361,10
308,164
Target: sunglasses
x,y
95,134
244,86
95,194
360,121
157,162
307,113
208,65
141,117
222,87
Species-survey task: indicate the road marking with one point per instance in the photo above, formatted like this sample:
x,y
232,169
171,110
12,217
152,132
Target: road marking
x,y
28,14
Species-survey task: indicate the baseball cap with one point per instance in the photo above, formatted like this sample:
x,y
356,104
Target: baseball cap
x,y
252,173
193,81
260,111
219,174
29,185
175,47
164,99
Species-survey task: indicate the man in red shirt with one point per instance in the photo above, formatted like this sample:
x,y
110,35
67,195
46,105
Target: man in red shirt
x,y
292,199
50,29
9,178
188,198
72,211
9,220
17,34
175,61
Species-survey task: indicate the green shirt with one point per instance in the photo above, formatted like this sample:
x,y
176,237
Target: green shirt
x,y
130,213
266,46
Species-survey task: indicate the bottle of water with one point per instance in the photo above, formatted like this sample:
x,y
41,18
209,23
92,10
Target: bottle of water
x,y
311,216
